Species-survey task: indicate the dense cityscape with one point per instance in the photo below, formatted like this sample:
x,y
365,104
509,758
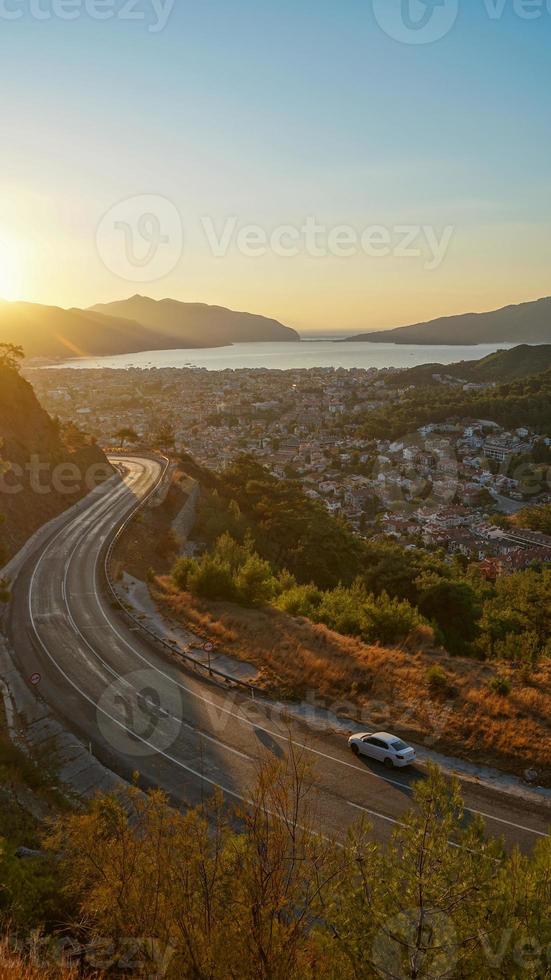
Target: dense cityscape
x,y
445,485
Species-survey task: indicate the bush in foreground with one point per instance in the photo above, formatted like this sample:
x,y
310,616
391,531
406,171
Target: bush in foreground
x,y
199,898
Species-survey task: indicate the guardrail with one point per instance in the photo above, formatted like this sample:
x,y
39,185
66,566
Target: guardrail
x,y
211,672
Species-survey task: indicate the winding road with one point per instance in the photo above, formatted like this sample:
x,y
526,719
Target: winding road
x,y
141,711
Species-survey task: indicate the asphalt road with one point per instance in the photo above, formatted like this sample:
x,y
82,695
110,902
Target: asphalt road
x,y
141,711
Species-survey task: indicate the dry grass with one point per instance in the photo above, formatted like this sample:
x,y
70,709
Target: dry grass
x,y
390,688
15,966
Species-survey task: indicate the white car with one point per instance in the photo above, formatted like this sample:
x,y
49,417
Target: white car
x,y
389,749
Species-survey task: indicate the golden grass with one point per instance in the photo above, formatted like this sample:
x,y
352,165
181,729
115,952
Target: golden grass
x,y
297,658
15,966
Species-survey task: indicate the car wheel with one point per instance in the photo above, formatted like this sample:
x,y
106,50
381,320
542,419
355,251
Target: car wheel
x,y
355,749
389,763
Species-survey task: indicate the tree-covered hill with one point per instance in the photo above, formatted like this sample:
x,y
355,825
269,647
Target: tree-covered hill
x,y
522,402
503,365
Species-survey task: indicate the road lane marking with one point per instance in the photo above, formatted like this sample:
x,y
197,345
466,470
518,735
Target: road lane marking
x,y
399,823
94,652
373,813
510,823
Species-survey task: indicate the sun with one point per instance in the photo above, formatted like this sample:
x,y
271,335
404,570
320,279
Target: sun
x,y
10,270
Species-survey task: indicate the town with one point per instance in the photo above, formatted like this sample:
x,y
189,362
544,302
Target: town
x,y
447,485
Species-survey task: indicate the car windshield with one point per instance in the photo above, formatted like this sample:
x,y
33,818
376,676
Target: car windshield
x,y
398,745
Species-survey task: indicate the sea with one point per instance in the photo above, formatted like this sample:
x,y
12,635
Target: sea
x,y
315,353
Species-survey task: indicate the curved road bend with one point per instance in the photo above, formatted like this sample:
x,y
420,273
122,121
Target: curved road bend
x,y
141,711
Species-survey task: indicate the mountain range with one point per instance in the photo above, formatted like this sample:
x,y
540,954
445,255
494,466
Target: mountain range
x,y
143,324
136,324
529,323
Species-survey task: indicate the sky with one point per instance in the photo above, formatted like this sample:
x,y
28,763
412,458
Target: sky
x,y
339,166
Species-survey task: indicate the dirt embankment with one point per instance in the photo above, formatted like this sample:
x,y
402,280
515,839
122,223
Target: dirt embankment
x,y
149,541
387,688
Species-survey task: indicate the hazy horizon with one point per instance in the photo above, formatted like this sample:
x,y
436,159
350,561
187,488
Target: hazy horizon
x,y
305,333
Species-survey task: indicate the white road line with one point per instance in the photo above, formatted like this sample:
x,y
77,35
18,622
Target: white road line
x,y
95,653
398,823
510,823
373,813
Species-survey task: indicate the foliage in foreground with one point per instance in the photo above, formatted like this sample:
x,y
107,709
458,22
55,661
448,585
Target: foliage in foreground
x,y
258,894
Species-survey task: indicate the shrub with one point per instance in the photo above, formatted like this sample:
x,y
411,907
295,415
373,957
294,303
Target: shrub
x,y
438,681
181,572
254,582
341,610
501,685
386,620
229,550
301,600
212,578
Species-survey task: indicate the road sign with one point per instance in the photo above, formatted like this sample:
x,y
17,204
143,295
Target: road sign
x,y
208,647
35,679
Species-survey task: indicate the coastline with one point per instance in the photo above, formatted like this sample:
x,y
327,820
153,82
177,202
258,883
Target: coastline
x,y
280,355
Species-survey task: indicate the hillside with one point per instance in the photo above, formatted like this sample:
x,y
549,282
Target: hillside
x,y
50,332
529,322
508,365
43,470
502,366
196,324
134,325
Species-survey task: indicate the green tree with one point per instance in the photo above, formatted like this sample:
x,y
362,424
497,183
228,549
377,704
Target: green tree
x,y
422,906
454,606
535,518
212,578
11,356
255,583
300,600
386,620
125,435
516,620
181,571
342,609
